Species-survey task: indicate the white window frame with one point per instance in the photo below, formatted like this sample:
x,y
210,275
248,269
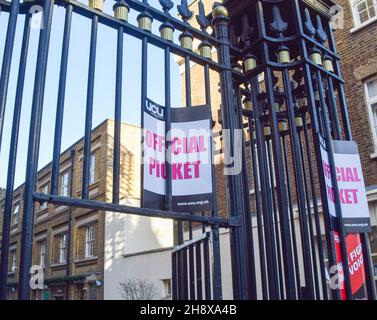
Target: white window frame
x,y
166,288
63,248
356,16
89,242
14,260
42,253
372,118
64,184
44,189
92,168
16,214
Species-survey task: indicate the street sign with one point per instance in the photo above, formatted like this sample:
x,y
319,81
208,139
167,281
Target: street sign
x,y
351,186
190,158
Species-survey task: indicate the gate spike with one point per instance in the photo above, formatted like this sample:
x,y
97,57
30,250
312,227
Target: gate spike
x,y
167,5
201,17
184,11
278,25
309,24
247,30
321,34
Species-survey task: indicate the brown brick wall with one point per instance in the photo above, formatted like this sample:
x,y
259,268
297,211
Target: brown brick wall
x,y
358,53
52,221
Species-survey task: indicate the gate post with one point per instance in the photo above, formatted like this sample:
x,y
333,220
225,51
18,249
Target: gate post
x,y
235,197
33,153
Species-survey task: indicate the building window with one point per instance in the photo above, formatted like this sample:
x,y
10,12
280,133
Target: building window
x,y
89,248
371,99
64,184
63,248
44,189
42,253
166,288
92,171
364,11
16,213
13,255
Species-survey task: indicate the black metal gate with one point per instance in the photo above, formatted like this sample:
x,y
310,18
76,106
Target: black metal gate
x,y
286,97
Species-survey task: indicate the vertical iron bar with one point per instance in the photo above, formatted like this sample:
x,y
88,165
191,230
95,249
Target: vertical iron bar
x,y
342,96
369,270
297,166
168,129
143,97
7,61
199,280
33,151
179,268
216,273
185,287
333,107
188,105
259,132
174,276
60,103
217,285
291,212
261,244
234,182
250,258
316,211
207,270
281,188
275,220
89,109
309,215
315,130
192,272
118,115
338,208
190,249
8,202
69,231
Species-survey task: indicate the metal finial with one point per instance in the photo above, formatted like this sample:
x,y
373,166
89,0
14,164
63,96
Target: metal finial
x,y
309,24
201,18
184,10
321,34
278,25
167,5
247,30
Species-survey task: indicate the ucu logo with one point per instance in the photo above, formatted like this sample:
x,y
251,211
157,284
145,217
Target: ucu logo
x,y
155,109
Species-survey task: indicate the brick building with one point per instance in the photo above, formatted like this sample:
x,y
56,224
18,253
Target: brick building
x,y
357,47
69,242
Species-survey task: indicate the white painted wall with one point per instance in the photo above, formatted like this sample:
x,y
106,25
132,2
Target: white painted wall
x,y
128,242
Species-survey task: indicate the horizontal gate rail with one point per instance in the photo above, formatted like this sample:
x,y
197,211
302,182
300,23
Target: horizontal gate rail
x,y
192,242
98,205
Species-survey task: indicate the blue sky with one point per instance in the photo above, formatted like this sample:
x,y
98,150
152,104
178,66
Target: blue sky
x,y
74,116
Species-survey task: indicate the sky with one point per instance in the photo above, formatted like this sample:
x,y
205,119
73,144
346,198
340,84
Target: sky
x,y
75,100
